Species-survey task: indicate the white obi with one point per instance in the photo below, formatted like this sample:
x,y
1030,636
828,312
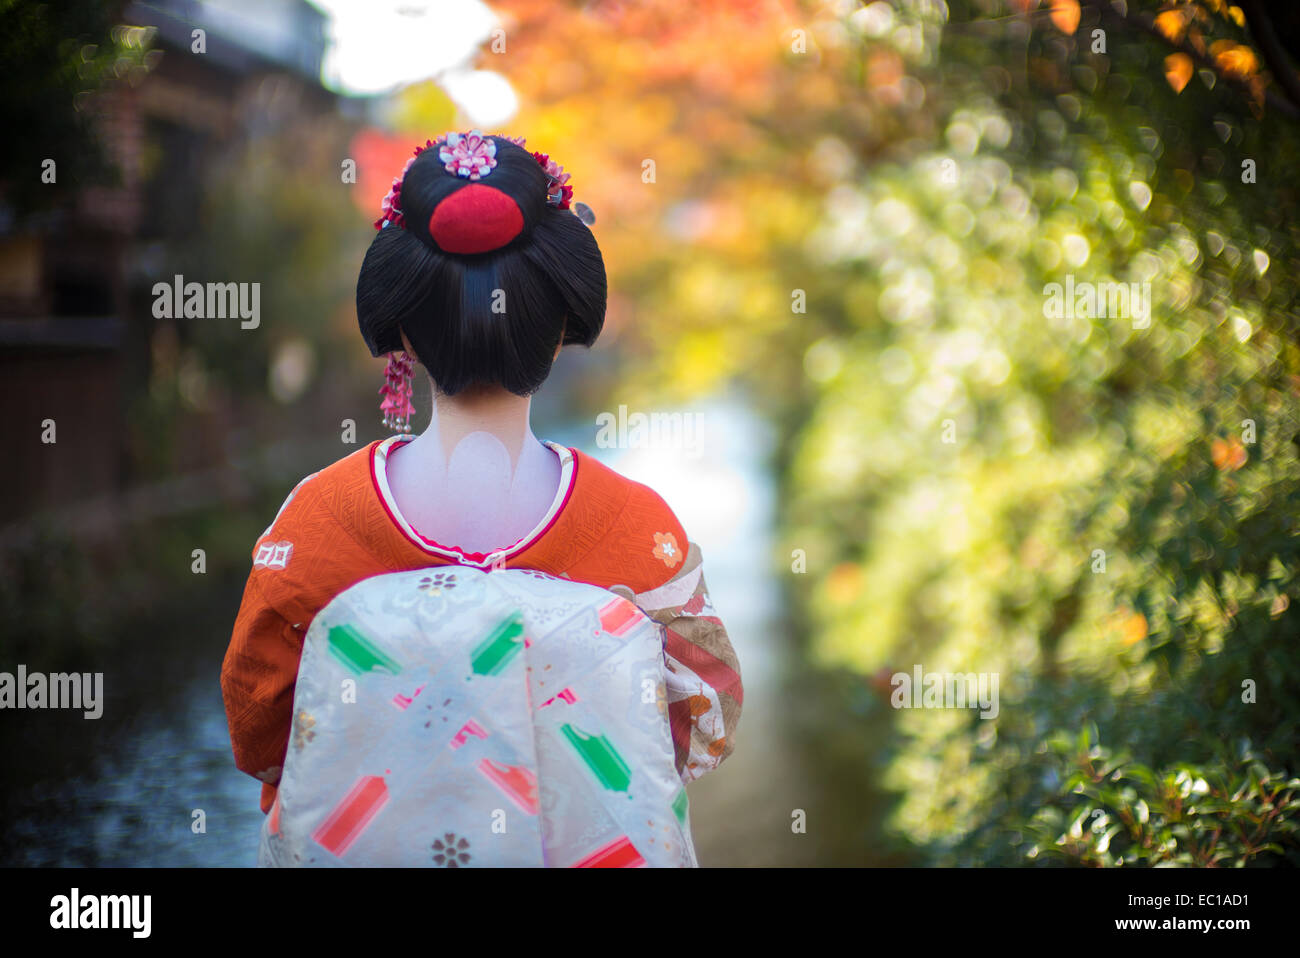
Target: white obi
x,y
452,717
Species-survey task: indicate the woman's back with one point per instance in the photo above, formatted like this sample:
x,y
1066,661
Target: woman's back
x,y
340,526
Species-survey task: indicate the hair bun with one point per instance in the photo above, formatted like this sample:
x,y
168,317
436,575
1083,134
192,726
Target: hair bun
x,y
488,210
482,264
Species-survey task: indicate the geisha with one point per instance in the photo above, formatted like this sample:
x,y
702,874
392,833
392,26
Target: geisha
x,y
444,630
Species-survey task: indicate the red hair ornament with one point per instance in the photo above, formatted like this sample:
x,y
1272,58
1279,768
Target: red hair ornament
x,y
476,219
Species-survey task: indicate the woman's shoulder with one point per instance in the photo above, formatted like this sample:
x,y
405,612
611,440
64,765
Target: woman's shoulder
x,y
327,491
315,540
621,531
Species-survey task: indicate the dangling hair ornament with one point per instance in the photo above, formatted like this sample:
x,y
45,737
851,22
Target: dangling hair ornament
x,y
396,407
473,156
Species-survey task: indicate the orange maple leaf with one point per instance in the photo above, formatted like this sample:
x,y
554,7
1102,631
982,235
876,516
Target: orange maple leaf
x,y
1178,70
1172,25
1228,454
1065,14
1234,59
1134,629
1129,625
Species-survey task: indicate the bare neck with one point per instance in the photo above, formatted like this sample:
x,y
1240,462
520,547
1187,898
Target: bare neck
x,y
477,477
491,410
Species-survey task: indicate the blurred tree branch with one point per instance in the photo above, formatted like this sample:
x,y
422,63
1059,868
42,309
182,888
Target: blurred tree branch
x,y
1109,14
1275,55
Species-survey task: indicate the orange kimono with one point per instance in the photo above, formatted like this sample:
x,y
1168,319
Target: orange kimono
x,y
341,525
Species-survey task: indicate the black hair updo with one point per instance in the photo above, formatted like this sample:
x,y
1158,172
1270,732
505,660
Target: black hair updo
x,y
484,283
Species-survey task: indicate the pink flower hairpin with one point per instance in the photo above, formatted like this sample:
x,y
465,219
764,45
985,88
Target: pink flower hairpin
x,y
558,190
390,209
468,154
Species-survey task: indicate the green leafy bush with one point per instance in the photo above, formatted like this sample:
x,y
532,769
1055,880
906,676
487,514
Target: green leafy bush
x,y
1101,511
1113,811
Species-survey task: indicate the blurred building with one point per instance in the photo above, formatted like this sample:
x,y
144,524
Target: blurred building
x,y
75,328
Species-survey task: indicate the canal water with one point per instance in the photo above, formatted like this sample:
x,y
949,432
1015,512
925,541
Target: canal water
x,y
168,763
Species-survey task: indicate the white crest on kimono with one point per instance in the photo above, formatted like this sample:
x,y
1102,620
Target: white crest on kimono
x,y
273,555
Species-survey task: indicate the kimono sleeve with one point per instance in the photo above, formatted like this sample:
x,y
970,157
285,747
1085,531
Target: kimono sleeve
x,y
261,664
701,670
257,685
